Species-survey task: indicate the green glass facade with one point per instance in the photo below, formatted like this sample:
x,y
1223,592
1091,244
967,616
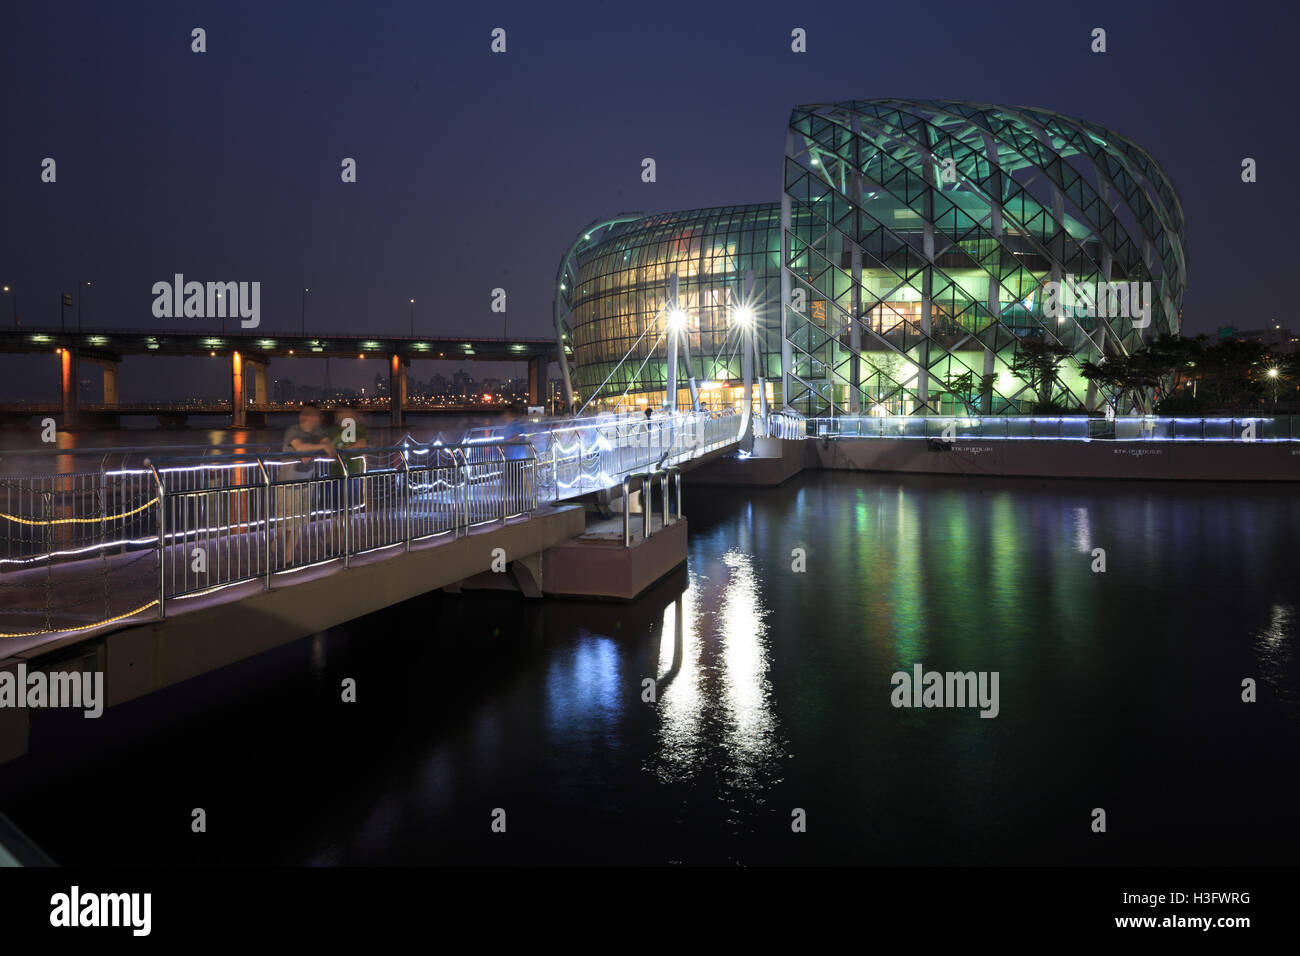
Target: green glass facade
x,y
917,249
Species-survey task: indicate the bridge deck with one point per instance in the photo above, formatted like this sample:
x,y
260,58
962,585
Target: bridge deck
x,y
90,590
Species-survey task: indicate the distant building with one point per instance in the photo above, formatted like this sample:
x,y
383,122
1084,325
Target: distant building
x,y
1277,338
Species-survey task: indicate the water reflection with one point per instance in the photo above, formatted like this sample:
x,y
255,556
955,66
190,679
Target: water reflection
x,y
773,691
1275,644
584,688
715,700
750,736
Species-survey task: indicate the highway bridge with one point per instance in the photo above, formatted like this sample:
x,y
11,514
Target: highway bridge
x,y
248,353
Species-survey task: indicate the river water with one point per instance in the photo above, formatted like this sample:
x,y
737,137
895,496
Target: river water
x,y
1119,690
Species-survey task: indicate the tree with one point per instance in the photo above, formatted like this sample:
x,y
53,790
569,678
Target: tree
x,y
963,386
1228,372
1038,363
1166,361
1120,378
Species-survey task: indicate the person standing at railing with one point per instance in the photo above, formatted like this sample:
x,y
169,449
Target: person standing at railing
x,y
350,432
293,491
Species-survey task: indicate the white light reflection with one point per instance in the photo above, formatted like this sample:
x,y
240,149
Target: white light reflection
x,y
751,737
714,696
680,691
1275,646
1082,531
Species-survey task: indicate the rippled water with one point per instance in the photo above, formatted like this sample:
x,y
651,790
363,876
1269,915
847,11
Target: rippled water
x,y
1119,690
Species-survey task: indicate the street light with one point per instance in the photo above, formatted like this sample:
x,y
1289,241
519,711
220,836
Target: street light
x,y
412,318
304,310
9,291
676,320
743,316
80,285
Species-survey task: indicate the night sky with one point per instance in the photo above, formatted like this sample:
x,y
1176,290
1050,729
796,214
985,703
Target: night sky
x,y
477,170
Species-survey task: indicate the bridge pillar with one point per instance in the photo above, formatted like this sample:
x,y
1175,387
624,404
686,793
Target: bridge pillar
x,y
110,383
238,417
396,388
109,367
70,379
259,382
537,380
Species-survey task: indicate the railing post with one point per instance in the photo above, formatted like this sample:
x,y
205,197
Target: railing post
x,y
503,482
627,512
347,510
663,495
406,497
647,502
267,505
162,541
465,490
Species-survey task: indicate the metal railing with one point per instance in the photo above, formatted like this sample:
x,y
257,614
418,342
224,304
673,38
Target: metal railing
x,y
75,547
584,455
787,425
671,505
215,521
1062,428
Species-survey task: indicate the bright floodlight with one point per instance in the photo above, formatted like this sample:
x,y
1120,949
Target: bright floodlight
x,y
1272,373
676,319
743,316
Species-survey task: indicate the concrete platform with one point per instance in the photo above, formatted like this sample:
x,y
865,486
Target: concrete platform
x,y
1041,458
774,462
596,565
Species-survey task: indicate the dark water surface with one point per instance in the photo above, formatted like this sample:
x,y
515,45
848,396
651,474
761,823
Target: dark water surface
x,y
1119,690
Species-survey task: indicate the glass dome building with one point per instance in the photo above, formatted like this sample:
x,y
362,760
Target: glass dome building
x,y
924,257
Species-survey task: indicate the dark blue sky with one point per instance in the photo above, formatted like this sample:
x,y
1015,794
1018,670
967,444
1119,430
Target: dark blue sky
x,y
476,170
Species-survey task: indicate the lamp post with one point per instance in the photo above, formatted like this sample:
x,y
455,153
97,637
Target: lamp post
x,y
412,318
81,286
304,311
12,292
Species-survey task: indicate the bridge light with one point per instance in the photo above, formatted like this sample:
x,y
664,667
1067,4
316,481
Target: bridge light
x,y
676,320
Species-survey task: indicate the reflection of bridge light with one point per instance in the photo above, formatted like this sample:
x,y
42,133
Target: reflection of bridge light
x,y
681,700
1082,531
582,688
744,659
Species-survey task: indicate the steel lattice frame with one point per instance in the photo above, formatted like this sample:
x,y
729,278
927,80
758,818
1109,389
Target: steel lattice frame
x,y
920,236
